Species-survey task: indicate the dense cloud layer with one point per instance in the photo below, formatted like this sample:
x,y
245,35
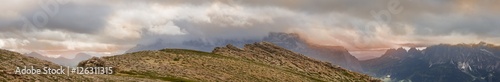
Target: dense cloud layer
x,y
113,26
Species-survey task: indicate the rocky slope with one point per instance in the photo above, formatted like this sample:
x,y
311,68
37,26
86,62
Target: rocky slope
x,y
261,61
336,55
444,62
10,60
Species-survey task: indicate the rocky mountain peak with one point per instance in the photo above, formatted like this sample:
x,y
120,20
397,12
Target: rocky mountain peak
x,y
395,53
83,55
413,49
230,46
401,50
283,36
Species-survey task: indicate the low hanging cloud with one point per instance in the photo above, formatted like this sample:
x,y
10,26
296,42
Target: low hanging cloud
x,y
114,26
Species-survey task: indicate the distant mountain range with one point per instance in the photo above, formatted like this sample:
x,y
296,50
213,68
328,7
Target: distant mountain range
x,y
336,55
443,63
61,60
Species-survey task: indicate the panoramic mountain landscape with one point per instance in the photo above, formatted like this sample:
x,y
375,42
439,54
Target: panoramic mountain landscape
x,y
250,40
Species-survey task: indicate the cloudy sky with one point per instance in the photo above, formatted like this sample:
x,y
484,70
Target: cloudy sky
x,y
62,27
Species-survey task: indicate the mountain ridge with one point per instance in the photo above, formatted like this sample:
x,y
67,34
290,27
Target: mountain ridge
x,y
458,63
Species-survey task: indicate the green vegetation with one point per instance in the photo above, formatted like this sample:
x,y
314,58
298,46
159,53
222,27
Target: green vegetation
x,y
177,59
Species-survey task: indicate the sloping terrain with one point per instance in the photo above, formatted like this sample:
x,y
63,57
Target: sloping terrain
x,y
256,62
11,60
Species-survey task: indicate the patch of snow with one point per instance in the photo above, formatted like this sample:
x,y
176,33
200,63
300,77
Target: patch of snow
x,y
421,48
484,50
463,66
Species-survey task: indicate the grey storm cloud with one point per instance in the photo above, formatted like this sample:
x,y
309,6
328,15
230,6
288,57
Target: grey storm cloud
x,y
73,17
79,18
487,26
88,19
414,12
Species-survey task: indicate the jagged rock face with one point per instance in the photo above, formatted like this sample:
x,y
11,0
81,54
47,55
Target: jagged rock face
x,y
457,63
336,55
286,40
10,60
